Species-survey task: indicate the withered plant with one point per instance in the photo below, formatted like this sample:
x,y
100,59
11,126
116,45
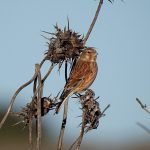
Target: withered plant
x,y
144,107
91,115
64,46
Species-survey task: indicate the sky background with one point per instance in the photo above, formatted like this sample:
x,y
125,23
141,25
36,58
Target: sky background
x,y
122,38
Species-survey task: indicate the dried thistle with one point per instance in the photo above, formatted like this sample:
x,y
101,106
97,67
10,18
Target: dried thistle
x,y
64,45
90,116
91,109
30,111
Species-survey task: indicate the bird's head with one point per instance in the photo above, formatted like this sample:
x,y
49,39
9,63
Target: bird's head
x,y
89,54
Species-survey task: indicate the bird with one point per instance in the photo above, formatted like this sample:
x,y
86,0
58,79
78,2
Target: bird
x,y
82,75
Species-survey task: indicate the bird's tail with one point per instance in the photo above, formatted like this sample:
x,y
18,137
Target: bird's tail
x,y
64,96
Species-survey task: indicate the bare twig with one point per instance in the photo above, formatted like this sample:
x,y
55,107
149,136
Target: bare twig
x,y
48,72
34,85
42,62
144,107
61,135
30,133
39,96
93,22
74,143
84,130
102,114
38,91
143,127
81,132
66,68
13,99
16,93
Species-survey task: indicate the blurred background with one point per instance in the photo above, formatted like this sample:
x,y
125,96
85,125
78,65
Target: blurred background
x,y
122,39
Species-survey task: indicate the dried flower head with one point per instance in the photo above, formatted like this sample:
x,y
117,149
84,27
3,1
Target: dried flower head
x,y
30,111
91,109
64,45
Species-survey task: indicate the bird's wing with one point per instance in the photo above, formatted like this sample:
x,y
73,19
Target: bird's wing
x,y
78,73
66,94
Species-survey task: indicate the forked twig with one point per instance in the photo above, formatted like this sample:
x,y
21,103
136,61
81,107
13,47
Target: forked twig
x,y
16,93
42,81
143,106
61,135
14,97
38,92
93,22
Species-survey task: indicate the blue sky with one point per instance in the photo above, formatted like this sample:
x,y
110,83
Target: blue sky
x,y
122,39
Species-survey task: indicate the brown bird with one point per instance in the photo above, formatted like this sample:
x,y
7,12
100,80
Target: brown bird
x,y
81,76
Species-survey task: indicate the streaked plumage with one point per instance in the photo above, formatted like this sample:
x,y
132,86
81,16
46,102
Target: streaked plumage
x,y
82,75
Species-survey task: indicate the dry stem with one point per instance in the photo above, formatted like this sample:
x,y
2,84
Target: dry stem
x,y
144,107
81,132
14,97
16,93
30,134
93,22
39,96
84,130
61,135
48,73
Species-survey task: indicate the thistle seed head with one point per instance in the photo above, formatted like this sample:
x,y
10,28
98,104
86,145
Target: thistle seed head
x,y
65,45
91,109
30,111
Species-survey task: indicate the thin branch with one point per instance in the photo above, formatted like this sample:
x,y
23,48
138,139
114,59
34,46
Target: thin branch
x,y
39,96
74,143
61,135
34,85
14,97
93,22
143,127
78,140
81,132
42,62
39,92
105,110
143,106
30,134
42,82
16,93
84,131
48,72
66,68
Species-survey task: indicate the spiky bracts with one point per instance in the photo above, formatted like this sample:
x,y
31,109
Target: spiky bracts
x,y
64,45
91,109
30,110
